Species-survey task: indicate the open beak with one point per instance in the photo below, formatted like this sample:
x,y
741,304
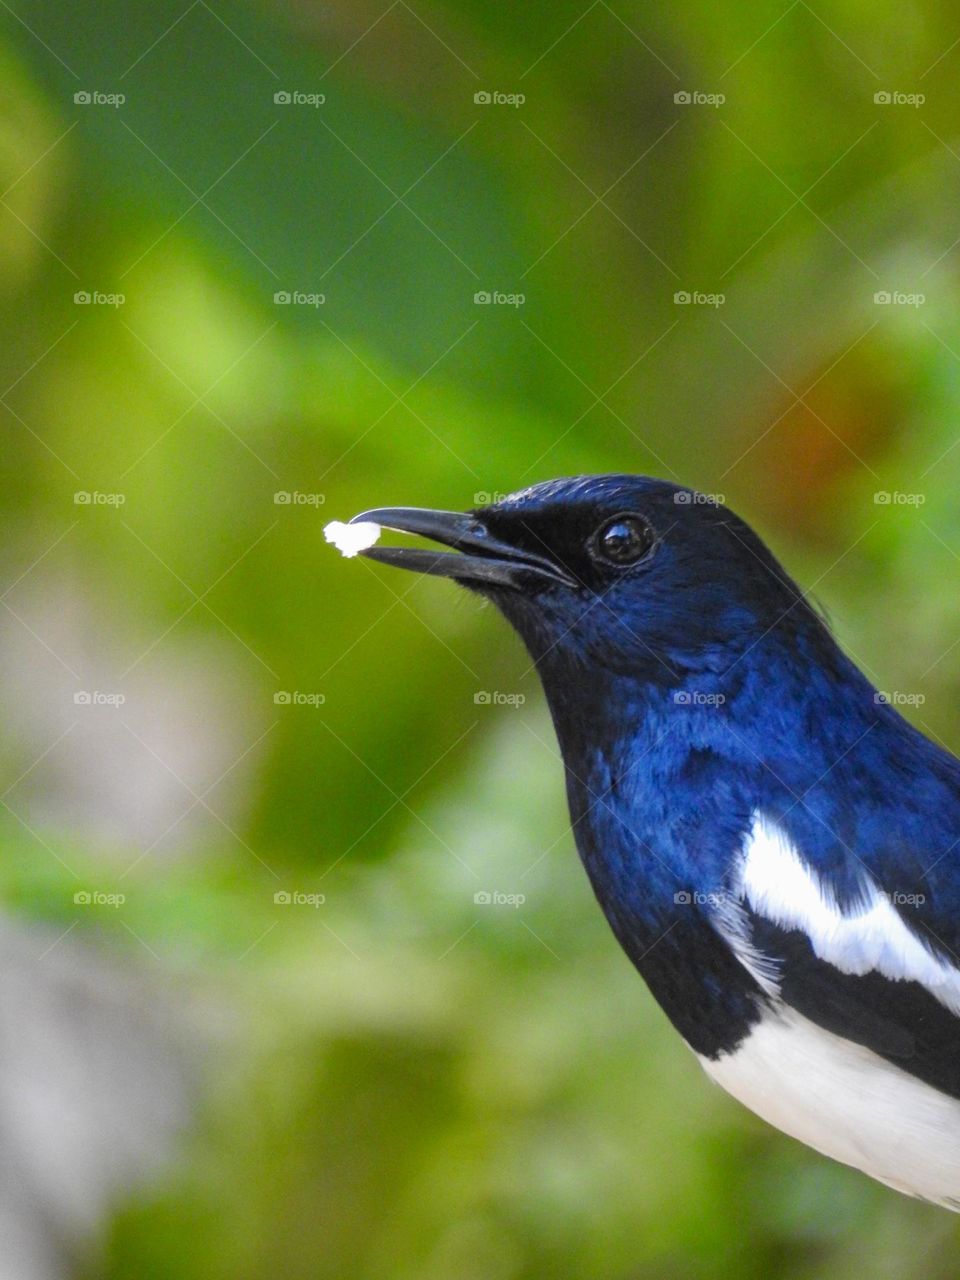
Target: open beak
x,y
478,557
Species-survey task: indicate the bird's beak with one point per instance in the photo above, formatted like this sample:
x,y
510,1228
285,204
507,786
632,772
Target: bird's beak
x,y
478,557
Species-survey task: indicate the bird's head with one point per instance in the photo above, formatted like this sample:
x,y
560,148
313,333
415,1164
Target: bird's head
x,y
615,573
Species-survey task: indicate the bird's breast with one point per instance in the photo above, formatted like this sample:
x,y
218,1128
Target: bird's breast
x,y
649,872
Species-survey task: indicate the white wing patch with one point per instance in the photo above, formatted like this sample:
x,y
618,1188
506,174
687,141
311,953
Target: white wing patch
x,y
732,922
776,883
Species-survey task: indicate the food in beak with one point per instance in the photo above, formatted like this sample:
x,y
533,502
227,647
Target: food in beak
x,y
350,539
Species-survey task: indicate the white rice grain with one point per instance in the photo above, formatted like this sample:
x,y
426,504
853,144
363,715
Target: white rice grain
x,y
351,538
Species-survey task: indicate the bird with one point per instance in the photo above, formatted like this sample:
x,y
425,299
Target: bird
x,y
774,846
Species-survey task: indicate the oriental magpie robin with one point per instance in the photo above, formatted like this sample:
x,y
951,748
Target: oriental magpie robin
x,y
775,848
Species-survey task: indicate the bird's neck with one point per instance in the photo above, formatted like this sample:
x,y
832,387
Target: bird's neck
x,y
761,731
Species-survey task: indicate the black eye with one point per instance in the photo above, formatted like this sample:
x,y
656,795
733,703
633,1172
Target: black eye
x,y
623,540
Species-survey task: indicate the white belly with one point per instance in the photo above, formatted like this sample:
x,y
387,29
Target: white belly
x,y
848,1103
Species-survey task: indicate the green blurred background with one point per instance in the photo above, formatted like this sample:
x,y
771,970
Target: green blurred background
x,y
382,1077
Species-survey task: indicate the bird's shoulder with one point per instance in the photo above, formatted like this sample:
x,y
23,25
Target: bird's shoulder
x,y
863,955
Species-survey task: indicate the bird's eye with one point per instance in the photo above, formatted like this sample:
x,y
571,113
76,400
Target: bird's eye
x,y
623,540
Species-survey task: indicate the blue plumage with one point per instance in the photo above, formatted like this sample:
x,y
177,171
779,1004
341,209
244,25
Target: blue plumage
x,y
774,846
